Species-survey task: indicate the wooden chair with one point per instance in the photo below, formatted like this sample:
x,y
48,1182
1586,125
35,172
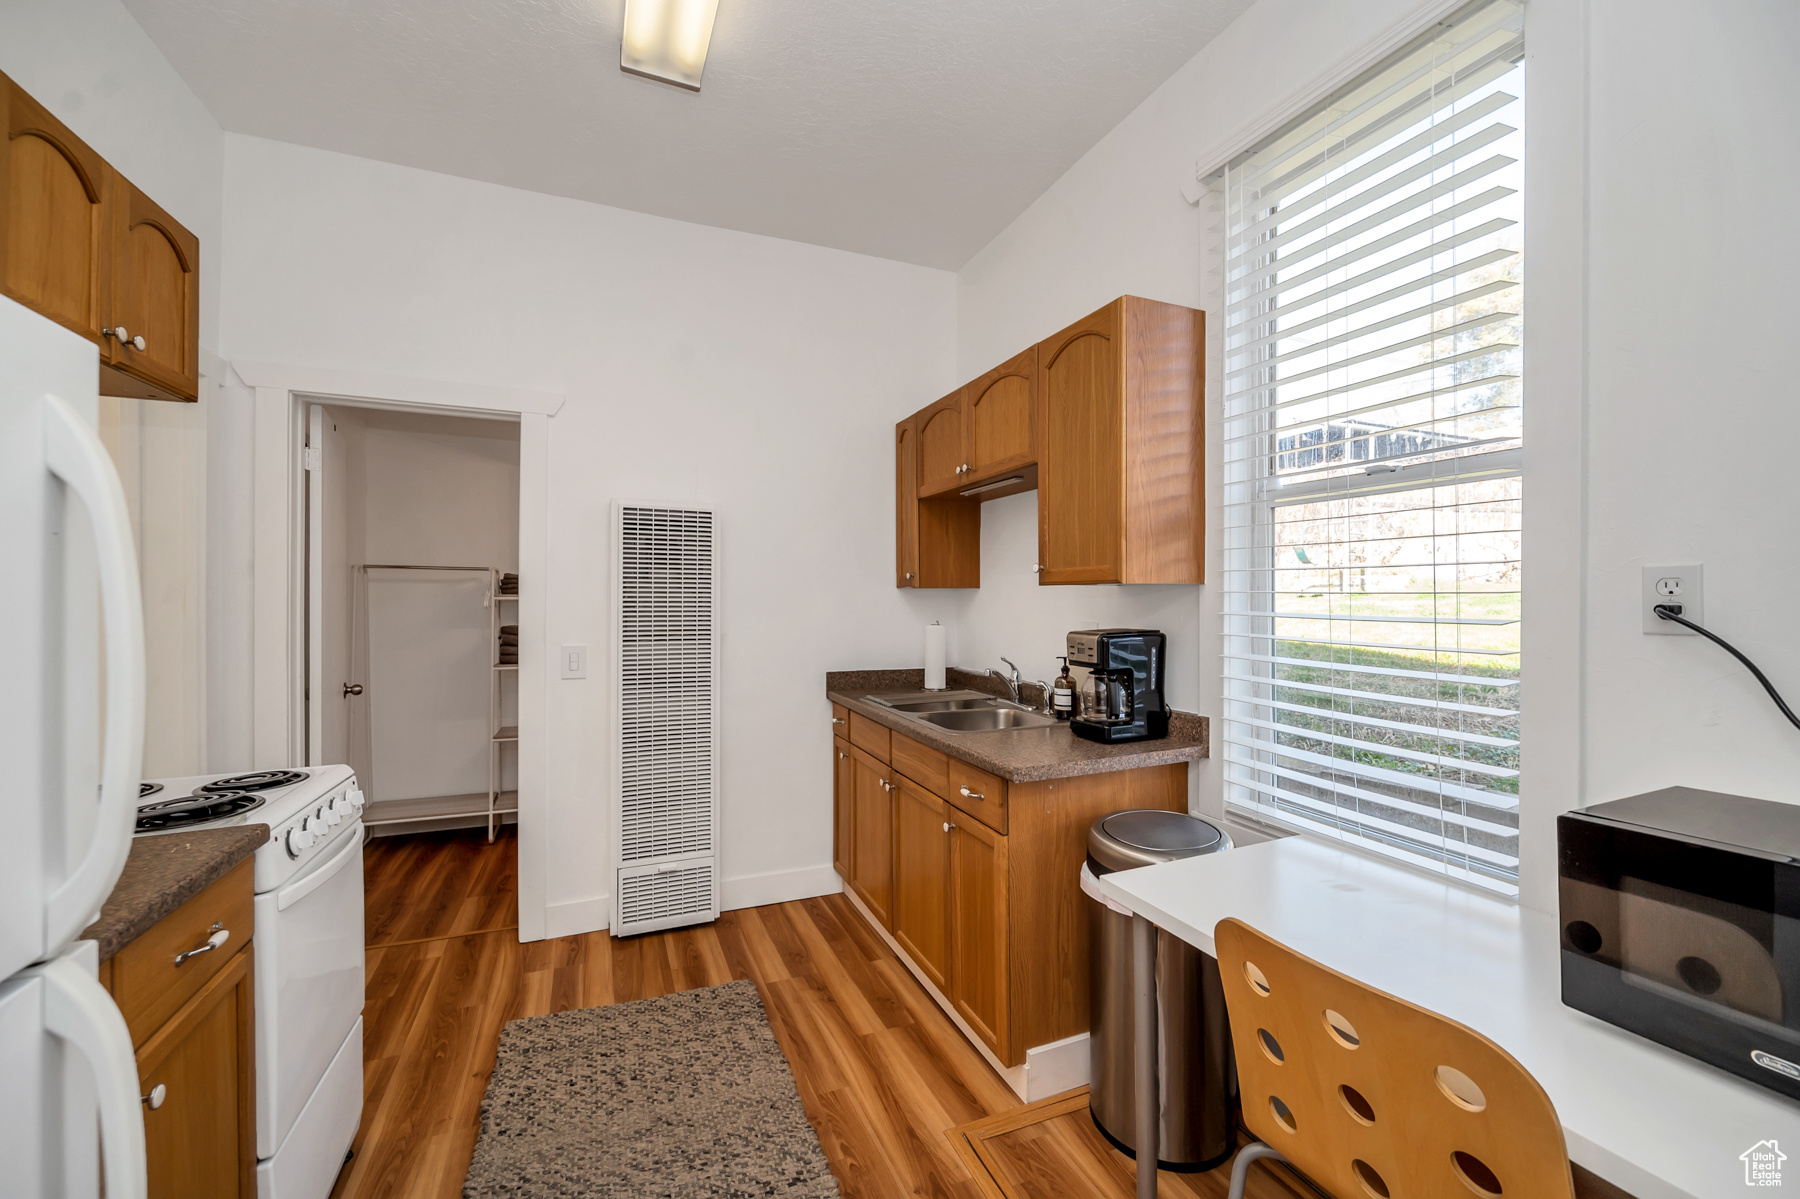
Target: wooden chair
x,y
1372,1097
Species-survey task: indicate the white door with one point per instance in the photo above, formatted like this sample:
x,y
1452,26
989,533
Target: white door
x,y
72,708
330,701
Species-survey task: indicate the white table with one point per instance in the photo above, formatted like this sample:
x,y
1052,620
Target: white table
x,y
1650,1120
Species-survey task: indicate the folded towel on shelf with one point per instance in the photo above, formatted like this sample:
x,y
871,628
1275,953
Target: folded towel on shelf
x,y
509,628
508,639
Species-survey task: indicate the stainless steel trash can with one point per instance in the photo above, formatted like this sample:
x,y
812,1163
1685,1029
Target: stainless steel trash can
x,y
1198,1078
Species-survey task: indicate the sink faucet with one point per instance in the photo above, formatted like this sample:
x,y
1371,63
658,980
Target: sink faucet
x,y
1011,681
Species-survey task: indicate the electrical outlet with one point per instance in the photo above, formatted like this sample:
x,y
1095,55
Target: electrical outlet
x,y
574,661
1673,585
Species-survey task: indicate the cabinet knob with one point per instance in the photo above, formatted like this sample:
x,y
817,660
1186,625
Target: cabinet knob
x,y
352,689
909,574
157,1095
1036,569
948,826
968,794
137,342
842,754
834,719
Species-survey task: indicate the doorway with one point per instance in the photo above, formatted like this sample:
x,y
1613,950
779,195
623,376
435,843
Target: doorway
x,y
412,612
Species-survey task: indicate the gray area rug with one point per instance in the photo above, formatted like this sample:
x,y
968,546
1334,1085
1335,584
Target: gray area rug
x,y
679,1097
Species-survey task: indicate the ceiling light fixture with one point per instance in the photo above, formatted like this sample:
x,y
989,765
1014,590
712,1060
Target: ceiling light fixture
x,y
667,39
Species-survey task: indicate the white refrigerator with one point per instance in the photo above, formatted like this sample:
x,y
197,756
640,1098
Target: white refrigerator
x,y
71,729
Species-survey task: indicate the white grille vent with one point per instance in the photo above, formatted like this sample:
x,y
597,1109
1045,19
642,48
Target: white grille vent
x,y
669,896
667,718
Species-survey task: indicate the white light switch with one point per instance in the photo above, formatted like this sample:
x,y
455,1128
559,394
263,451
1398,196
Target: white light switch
x,y
574,661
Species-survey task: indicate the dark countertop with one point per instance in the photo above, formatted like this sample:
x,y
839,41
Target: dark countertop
x,y
1018,755
164,872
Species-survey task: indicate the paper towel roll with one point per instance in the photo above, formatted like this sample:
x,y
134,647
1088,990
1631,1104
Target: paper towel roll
x,y
934,656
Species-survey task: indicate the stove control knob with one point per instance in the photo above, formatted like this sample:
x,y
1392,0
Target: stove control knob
x,y
333,817
299,840
355,796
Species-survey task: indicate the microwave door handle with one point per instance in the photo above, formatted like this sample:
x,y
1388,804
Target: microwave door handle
x,y
78,1010
74,454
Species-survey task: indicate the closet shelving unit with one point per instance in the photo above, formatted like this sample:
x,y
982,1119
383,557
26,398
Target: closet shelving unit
x,y
498,803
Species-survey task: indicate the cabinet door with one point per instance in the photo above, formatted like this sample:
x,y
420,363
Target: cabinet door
x,y
943,453
978,942
200,1143
922,878
155,296
1081,483
999,411
872,838
843,795
906,506
53,228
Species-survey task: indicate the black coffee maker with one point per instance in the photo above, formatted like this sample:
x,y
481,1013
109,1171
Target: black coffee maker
x,y
1118,677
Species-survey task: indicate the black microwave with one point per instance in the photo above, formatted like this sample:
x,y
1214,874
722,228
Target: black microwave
x,y
1680,913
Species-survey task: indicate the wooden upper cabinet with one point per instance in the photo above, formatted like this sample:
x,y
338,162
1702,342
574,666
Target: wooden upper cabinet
x,y
53,216
943,450
155,300
906,506
999,413
1121,465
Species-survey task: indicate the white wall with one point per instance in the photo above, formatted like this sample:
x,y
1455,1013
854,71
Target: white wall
x,y
700,366
91,65
1661,295
1116,224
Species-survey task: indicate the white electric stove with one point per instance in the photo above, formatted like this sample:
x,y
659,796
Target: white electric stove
x,y
309,956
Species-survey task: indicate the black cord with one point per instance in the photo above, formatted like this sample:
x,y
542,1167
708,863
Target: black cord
x,y
1668,612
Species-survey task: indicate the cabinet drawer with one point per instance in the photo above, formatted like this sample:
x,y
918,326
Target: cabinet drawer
x,y
922,764
978,793
147,984
868,736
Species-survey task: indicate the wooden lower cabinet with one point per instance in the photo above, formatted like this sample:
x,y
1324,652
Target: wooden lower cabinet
x,y
979,919
201,1142
843,798
872,836
978,879
922,838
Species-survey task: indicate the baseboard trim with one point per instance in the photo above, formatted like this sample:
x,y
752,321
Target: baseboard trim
x,y
777,886
577,916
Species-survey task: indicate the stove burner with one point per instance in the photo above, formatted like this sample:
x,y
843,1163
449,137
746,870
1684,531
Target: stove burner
x,y
195,809
259,780
146,790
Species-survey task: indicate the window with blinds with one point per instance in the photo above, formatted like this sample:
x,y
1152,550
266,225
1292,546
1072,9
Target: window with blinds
x,y
1373,327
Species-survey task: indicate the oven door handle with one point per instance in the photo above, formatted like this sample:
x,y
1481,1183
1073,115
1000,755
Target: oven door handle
x,y
289,896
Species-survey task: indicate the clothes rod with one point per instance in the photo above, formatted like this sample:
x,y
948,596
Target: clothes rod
x,y
399,566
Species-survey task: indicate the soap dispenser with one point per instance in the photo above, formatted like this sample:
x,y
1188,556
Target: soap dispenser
x,y
1062,693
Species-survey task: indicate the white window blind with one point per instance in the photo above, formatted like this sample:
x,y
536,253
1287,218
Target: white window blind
x,y
1373,327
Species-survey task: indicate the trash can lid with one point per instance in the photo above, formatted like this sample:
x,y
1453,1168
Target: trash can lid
x,y
1142,837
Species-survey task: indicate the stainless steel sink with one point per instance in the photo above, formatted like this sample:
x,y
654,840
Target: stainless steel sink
x,y
986,720
963,711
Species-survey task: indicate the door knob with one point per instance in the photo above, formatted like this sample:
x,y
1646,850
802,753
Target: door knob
x,y
352,689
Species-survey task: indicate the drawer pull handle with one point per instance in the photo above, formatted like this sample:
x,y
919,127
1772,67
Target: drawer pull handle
x,y
220,935
157,1095
968,794
836,720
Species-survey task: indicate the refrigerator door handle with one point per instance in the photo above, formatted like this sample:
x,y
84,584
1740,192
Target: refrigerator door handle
x,y
78,1009
75,455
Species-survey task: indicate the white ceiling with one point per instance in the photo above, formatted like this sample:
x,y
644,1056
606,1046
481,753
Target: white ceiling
x,y
909,129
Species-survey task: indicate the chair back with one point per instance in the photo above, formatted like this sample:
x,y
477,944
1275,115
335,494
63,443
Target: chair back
x,y
1373,1097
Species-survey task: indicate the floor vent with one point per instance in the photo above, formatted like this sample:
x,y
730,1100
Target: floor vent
x,y
667,718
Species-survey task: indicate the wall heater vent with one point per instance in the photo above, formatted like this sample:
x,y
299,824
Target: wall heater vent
x,y
667,718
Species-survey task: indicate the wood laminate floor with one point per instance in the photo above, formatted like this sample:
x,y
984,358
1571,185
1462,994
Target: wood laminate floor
x,y
887,1080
